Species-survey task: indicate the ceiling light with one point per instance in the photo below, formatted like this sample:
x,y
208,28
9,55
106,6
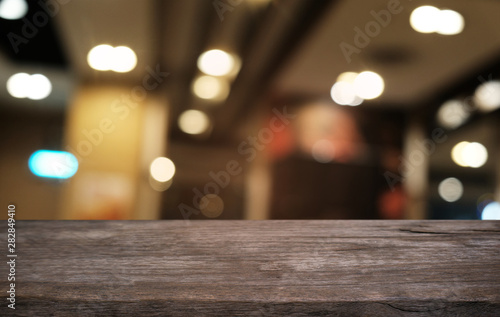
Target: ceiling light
x,y
216,63
193,122
13,9
469,154
53,164
343,92
474,154
39,87
16,85
208,87
456,153
100,57
452,114
35,87
368,85
162,169
450,189
449,23
348,77
429,19
424,19
124,59
487,96
119,59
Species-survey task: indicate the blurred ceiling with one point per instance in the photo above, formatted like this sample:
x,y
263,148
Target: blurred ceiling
x,y
415,66
287,46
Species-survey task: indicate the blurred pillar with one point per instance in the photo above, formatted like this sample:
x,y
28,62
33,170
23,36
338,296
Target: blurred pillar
x,y
104,130
258,189
154,144
415,169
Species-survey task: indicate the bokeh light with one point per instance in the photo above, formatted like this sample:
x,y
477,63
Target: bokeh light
x,y
456,153
474,154
429,19
450,189
16,85
452,114
487,96
491,211
124,59
39,87
368,85
193,122
100,57
343,92
162,169
216,63
35,87
449,22
424,19
119,59
53,164
212,88
13,9
469,154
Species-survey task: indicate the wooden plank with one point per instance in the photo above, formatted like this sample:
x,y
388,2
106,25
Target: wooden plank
x,y
257,268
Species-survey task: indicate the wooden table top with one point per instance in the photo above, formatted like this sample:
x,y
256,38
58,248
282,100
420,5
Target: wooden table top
x,y
256,268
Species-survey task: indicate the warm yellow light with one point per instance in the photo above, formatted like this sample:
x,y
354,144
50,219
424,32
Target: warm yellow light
x,y
208,87
193,122
16,85
456,153
124,59
35,87
469,154
216,63
450,22
429,19
347,77
368,85
474,154
425,19
162,169
39,87
119,59
101,57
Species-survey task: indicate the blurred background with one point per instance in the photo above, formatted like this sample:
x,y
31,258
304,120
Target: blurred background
x,y
256,109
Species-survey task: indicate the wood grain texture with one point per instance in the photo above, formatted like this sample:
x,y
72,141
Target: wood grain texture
x,y
256,268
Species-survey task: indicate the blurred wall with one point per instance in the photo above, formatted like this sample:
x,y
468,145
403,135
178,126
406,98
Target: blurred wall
x,y
103,131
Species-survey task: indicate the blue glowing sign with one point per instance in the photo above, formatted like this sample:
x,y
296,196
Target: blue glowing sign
x,y
53,164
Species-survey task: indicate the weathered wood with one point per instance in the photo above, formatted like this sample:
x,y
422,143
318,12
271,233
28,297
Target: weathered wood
x,y
256,268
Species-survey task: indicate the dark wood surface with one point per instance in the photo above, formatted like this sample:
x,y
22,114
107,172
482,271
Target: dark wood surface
x,y
256,268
